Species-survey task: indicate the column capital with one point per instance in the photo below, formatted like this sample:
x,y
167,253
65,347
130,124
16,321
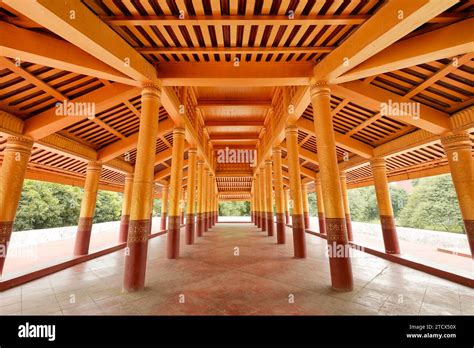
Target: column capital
x,y
94,165
178,131
262,169
276,150
129,176
193,150
268,162
377,162
319,88
291,128
151,90
456,141
19,144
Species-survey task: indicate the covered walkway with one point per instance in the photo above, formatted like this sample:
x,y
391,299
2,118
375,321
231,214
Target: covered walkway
x,y
198,102
212,277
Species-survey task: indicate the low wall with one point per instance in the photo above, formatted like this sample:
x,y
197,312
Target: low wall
x,y
33,237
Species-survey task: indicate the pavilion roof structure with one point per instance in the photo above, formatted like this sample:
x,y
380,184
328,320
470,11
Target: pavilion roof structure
x,y
236,67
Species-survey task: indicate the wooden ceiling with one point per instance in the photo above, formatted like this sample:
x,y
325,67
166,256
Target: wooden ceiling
x,y
233,62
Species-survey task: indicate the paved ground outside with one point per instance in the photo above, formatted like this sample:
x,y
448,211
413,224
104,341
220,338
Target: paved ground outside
x,y
237,270
32,249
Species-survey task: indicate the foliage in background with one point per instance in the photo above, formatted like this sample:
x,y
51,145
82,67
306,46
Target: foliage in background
x,y
47,205
432,205
363,203
234,208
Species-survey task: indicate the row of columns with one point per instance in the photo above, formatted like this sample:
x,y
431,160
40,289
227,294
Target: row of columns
x,y
331,191
333,207
201,207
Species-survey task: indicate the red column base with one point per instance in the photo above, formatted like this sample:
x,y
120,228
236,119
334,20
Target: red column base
x,y
263,221
6,228
206,221
163,222
83,236
389,232
306,220
469,226
287,217
189,231
136,256
280,225
199,225
123,232
322,223
339,255
172,241
350,236
269,224
299,237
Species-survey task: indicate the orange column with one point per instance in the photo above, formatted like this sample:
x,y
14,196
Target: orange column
x,y
269,196
200,198
12,174
279,195
458,148
164,206
339,262
205,198
299,238
213,213
152,203
211,200
304,193
182,206
263,199
347,210
256,184
384,203
88,203
126,206
137,244
190,207
251,203
319,200
287,209
216,212
176,182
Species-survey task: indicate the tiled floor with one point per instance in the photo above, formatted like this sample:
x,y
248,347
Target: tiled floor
x,y
237,270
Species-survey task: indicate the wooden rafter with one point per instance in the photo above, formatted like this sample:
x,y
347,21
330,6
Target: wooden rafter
x,y
377,33
453,40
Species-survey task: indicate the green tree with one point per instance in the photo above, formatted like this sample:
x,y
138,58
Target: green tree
x,y
70,201
433,205
313,204
48,205
363,202
38,207
108,206
234,208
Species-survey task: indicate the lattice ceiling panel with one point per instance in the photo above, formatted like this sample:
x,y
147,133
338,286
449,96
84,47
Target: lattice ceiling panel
x,y
23,92
446,84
